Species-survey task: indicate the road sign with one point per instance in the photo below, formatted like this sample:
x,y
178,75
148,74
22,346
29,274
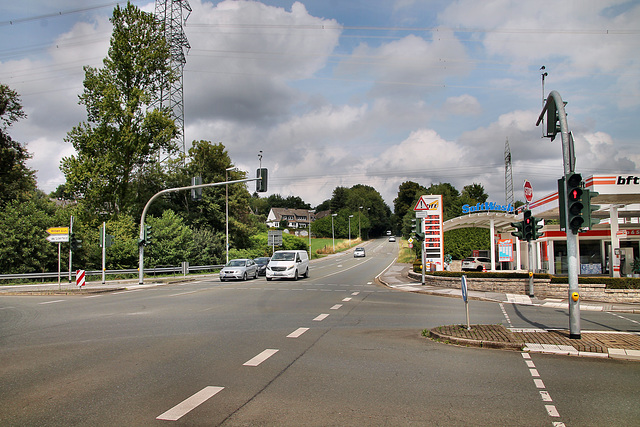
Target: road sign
x,y
80,282
426,203
58,238
58,230
528,191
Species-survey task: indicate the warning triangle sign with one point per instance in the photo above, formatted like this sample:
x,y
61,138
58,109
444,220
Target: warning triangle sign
x,y
422,205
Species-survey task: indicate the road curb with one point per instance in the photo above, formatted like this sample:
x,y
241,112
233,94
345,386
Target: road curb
x,y
449,339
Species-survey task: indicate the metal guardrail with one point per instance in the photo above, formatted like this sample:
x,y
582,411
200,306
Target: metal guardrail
x,y
154,271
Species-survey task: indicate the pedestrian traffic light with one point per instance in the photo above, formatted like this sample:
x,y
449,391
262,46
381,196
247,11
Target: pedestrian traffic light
x,y
261,184
589,208
575,204
536,227
527,227
519,226
75,242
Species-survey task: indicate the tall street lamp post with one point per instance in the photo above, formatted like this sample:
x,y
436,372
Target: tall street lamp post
x,y
226,178
333,234
309,231
350,216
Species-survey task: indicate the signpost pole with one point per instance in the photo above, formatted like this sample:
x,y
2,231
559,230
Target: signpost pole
x,y
59,249
104,251
70,251
465,298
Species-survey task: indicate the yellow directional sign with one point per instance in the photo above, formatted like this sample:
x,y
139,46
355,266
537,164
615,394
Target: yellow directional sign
x,y
58,230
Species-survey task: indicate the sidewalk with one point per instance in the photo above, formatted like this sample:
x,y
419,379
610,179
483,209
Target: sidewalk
x,y
605,344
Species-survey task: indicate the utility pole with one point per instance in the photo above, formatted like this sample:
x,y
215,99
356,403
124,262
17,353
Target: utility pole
x,y
555,114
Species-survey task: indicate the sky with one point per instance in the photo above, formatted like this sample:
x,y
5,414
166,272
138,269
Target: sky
x,y
345,92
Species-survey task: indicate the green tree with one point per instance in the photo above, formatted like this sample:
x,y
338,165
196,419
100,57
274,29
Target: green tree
x,y
16,179
24,247
172,241
472,194
122,141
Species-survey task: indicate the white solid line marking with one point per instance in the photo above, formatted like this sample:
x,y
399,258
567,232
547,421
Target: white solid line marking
x,y
337,306
346,299
552,411
297,332
187,405
128,291
52,302
546,397
538,383
261,357
321,317
93,296
182,293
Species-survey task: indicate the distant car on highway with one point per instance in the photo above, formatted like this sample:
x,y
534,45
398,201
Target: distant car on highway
x,y
392,239
240,269
476,263
262,264
359,252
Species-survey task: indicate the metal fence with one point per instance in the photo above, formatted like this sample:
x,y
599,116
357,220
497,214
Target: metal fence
x,y
160,269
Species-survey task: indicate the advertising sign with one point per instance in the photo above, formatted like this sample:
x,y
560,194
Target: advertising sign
x,y
431,207
505,250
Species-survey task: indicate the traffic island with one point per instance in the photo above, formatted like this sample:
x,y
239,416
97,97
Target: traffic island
x,y
485,336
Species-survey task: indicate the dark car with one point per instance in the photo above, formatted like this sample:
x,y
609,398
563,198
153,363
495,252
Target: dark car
x,y
262,265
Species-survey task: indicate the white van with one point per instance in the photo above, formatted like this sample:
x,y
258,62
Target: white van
x,y
288,264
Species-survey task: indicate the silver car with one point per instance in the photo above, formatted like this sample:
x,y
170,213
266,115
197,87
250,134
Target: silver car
x,y
240,269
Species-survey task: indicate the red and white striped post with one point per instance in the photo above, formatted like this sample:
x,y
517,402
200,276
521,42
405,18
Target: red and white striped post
x,y
79,278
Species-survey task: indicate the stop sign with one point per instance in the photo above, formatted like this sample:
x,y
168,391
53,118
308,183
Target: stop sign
x,y
528,191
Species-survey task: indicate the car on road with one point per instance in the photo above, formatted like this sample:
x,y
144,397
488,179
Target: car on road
x,y
476,263
240,269
392,239
288,264
359,252
262,264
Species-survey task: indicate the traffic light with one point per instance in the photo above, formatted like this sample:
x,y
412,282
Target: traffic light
x,y
147,235
75,242
589,221
414,227
536,227
553,120
575,204
261,184
527,227
519,226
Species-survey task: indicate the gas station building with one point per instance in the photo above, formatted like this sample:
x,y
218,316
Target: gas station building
x,y
607,248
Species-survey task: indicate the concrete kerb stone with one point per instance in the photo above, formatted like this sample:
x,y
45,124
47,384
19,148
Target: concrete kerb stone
x,y
467,342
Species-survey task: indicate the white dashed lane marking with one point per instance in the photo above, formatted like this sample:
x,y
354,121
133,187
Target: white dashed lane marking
x,y
187,405
321,317
257,360
297,332
552,411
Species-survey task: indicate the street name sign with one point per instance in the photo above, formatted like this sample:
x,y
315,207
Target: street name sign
x,y
58,238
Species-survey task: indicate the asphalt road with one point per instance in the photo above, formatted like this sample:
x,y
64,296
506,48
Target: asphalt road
x,y
333,349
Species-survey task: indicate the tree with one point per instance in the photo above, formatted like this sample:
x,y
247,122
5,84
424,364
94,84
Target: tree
x,y
122,141
16,179
24,247
177,243
472,194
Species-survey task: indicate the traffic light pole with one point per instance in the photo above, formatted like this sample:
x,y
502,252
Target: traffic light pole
x,y
172,190
572,236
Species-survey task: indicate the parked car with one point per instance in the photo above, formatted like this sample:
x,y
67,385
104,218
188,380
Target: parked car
x,y
392,239
288,264
240,269
359,252
262,264
476,263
